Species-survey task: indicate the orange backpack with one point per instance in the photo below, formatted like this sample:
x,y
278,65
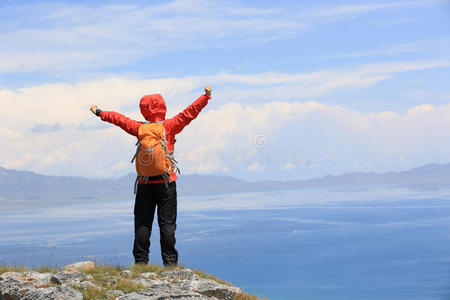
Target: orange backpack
x,y
153,158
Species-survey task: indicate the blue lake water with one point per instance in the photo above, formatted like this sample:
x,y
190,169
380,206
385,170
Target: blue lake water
x,y
353,243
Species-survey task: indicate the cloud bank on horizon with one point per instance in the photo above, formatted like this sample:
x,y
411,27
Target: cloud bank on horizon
x,y
300,90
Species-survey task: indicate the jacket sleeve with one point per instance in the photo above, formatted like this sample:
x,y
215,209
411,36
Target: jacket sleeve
x,y
129,125
177,123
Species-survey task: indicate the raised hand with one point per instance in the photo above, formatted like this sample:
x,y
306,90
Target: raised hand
x,y
94,108
208,90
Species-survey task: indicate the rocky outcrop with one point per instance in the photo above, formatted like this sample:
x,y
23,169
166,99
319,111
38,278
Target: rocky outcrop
x,y
67,276
71,282
34,286
64,291
182,284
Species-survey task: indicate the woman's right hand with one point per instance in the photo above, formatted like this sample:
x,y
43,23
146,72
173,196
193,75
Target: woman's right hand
x,y
94,108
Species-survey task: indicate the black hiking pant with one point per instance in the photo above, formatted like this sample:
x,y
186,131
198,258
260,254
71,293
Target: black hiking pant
x,y
148,198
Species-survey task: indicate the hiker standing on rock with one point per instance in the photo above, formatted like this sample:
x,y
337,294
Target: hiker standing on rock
x,y
156,168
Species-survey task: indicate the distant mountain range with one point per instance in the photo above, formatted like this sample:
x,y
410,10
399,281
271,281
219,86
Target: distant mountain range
x,y
24,189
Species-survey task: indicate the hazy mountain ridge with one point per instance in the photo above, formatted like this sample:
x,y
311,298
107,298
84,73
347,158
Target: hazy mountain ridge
x,y
35,190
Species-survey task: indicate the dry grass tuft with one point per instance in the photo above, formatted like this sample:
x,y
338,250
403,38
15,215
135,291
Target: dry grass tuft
x,y
46,269
127,286
102,272
139,269
92,293
203,275
245,296
6,268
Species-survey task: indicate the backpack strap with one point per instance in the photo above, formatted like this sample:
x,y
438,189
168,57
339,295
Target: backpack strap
x,y
135,184
166,178
169,154
138,144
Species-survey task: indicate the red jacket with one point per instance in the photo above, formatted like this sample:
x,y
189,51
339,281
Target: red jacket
x,y
153,108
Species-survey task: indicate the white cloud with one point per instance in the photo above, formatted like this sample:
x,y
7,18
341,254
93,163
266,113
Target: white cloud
x,y
375,141
357,9
23,161
6,133
67,104
421,109
223,137
119,168
418,46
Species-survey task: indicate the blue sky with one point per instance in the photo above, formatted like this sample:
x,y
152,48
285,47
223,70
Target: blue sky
x,y
300,89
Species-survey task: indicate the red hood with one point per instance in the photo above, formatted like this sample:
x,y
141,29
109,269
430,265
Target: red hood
x,y
153,107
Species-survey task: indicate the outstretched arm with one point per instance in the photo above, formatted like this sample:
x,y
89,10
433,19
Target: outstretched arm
x,y
177,123
129,125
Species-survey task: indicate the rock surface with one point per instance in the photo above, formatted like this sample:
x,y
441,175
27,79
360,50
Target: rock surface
x,y
15,285
67,276
126,273
150,275
80,266
114,293
69,283
65,292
